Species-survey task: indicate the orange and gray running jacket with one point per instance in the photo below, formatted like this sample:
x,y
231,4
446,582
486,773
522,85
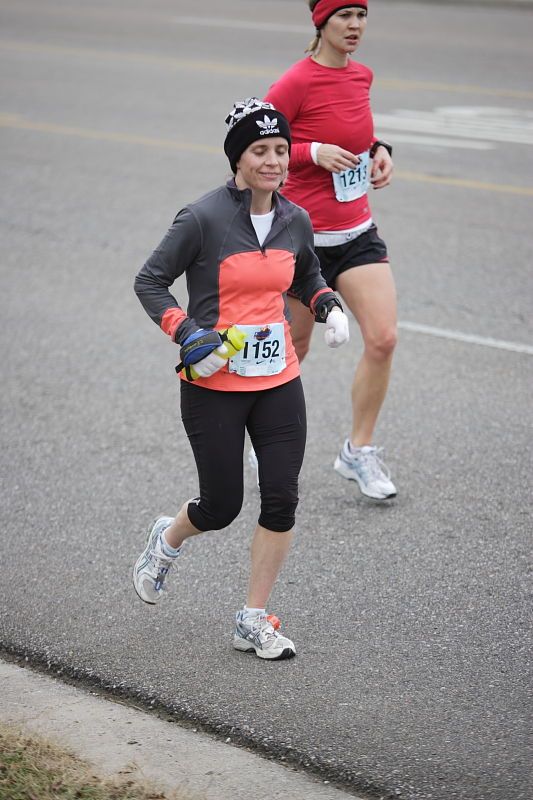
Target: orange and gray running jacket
x,y
231,279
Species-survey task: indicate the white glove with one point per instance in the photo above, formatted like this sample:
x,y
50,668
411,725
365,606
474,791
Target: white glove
x,y
211,363
337,331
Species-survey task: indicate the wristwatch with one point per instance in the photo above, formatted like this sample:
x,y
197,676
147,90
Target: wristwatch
x,y
380,143
324,307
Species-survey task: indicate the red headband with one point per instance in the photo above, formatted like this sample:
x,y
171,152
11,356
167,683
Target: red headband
x,y
325,8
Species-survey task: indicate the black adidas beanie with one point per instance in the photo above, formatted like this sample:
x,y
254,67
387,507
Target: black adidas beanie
x,y
248,121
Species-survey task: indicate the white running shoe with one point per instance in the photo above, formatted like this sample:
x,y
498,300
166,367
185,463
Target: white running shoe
x,y
153,566
258,634
367,468
252,460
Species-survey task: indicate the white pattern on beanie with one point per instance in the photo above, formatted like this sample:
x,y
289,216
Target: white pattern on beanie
x,y
244,107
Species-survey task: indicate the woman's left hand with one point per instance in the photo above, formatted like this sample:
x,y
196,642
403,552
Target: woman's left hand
x,y
337,330
382,167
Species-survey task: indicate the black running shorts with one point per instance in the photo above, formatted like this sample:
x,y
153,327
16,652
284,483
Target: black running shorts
x,y
367,248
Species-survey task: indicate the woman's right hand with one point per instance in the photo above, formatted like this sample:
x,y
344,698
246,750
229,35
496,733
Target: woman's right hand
x,y
334,158
211,363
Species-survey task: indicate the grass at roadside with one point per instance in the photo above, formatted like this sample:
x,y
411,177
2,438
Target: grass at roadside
x,y
34,769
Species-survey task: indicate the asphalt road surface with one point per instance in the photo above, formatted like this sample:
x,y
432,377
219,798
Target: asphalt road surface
x,y
412,620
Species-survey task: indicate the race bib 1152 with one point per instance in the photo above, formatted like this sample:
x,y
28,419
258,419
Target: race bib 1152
x,y
263,352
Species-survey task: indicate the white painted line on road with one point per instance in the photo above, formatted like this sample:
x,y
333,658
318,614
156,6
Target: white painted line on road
x,y
468,338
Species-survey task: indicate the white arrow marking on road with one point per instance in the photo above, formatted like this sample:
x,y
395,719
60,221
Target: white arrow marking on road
x,y
440,141
467,122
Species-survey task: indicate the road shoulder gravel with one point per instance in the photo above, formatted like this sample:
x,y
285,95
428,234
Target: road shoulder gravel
x,y
115,738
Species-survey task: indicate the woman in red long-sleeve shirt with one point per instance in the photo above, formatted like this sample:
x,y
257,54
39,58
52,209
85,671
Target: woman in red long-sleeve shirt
x,y
335,157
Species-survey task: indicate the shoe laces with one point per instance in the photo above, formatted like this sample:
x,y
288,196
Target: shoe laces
x,y
263,626
372,464
160,566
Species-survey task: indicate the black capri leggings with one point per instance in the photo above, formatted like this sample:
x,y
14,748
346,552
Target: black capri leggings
x,y
215,423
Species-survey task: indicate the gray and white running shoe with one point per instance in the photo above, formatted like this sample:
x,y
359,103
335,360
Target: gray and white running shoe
x,y
259,635
152,566
367,468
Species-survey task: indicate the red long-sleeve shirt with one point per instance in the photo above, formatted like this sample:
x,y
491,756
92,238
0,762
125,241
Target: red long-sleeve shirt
x,y
331,106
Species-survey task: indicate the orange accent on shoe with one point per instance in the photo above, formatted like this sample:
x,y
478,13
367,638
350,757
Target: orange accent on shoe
x,y
274,621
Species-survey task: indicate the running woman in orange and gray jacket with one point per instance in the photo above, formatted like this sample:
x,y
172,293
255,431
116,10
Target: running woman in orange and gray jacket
x,y
242,247
334,158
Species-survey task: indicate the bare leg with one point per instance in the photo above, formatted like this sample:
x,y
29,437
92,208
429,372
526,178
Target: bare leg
x,y
181,529
302,322
370,294
268,553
